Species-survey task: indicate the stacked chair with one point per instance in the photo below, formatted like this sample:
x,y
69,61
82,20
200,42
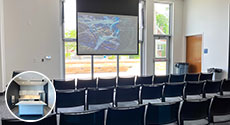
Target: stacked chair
x,y
64,84
160,79
193,90
126,116
151,94
85,84
220,107
173,92
162,113
144,80
127,96
83,118
192,77
195,110
176,78
107,82
225,88
69,101
100,98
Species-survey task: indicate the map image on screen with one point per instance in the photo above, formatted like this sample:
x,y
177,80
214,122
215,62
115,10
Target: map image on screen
x,y
107,34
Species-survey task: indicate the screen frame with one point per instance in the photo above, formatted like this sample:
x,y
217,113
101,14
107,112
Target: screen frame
x,y
137,42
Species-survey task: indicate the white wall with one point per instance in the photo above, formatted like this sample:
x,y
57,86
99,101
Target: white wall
x,y
177,36
33,31
211,19
2,67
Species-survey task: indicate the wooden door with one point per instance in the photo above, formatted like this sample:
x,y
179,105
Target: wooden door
x,y
193,53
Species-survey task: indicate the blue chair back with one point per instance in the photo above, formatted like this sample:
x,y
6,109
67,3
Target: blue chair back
x,y
220,106
96,96
126,116
86,83
83,118
173,90
193,88
192,77
67,99
129,81
160,79
64,84
162,113
195,109
212,87
176,78
124,94
106,83
225,85
205,76
142,80
151,92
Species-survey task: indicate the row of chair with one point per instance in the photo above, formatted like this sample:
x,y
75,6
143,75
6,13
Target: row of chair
x,y
91,99
161,113
120,81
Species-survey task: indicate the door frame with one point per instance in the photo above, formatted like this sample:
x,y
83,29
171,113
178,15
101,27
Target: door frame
x,y
202,47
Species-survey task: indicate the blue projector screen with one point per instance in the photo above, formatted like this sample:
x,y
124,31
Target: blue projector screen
x,y
104,34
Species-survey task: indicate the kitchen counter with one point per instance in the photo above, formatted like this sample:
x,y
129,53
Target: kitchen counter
x,y
31,107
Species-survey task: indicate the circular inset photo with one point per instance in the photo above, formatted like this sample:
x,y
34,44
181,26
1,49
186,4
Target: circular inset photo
x,y
30,96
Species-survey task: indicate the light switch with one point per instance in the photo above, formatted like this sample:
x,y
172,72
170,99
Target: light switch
x,y
205,51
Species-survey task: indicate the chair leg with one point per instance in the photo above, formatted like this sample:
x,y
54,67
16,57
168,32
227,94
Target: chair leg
x,y
163,99
211,119
181,122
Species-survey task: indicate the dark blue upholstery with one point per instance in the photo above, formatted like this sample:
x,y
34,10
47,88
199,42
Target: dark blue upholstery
x,y
124,94
144,80
173,90
193,88
64,84
151,92
86,83
192,77
212,87
125,81
49,120
126,116
220,106
205,76
225,86
83,118
67,99
194,110
95,96
104,83
162,113
160,79
176,78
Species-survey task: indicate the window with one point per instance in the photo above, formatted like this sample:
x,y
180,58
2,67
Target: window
x,y
105,66
162,36
130,65
94,66
162,18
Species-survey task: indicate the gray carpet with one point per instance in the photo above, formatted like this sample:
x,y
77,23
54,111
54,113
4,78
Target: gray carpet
x,y
4,113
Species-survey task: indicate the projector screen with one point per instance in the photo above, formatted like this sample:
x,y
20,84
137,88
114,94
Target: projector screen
x,y
105,34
